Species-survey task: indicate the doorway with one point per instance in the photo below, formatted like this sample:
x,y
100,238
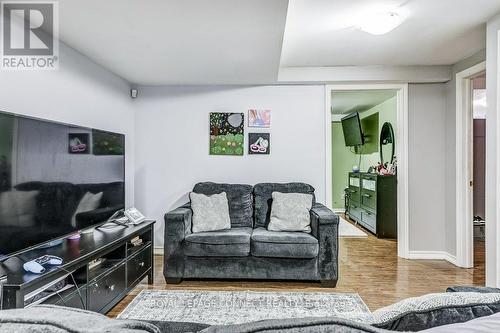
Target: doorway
x,y
401,151
479,115
471,118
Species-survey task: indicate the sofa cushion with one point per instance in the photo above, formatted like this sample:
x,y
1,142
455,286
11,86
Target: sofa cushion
x,y
210,212
234,242
290,212
263,198
419,313
283,244
239,198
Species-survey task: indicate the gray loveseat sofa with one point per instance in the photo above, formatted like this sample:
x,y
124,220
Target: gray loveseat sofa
x,y
248,250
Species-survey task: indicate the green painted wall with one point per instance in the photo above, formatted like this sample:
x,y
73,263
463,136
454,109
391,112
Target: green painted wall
x,y
6,133
343,159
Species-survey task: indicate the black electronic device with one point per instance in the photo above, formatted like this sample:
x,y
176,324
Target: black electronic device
x,y
55,180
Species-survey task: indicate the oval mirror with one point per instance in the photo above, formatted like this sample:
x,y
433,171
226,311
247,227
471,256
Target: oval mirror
x,y
387,144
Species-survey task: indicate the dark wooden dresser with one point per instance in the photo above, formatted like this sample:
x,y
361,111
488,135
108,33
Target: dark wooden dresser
x,y
372,202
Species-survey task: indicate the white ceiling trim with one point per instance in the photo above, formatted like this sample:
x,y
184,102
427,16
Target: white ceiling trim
x,y
410,74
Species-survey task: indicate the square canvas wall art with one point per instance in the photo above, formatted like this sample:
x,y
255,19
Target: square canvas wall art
x,y
226,133
105,143
259,118
259,144
78,143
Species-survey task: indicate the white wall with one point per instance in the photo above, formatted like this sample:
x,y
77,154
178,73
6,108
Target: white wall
x,y
172,132
492,151
80,93
172,148
427,123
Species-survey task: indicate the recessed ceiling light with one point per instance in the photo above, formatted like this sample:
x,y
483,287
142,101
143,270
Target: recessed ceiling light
x,y
380,23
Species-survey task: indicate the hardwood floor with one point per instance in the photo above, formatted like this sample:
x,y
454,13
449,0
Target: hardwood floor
x,y
368,266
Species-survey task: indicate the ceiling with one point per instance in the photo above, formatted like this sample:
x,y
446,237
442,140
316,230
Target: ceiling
x,y
359,100
435,32
162,42
159,42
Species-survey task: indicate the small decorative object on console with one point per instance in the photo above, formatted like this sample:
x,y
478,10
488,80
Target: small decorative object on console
x,y
96,262
136,241
134,216
36,265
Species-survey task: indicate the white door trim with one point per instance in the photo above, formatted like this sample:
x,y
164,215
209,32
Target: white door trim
x,y
401,153
464,166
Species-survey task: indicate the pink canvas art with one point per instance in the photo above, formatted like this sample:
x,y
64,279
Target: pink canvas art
x,y
259,118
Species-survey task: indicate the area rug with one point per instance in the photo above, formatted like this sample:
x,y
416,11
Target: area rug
x,y
236,307
346,229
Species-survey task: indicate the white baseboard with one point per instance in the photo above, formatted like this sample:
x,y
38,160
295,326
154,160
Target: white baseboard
x,y
158,251
433,255
338,210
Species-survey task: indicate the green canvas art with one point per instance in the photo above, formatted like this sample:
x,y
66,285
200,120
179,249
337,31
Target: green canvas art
x,y
226,133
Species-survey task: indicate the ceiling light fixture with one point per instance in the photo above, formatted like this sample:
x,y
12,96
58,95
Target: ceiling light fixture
x,y
380,23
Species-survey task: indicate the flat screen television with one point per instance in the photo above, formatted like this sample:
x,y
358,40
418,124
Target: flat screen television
x,y
353,133
55,180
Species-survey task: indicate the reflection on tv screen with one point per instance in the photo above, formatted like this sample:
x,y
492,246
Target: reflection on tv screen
x,y
55,179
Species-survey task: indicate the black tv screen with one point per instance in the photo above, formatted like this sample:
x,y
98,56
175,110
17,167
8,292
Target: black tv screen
x,y
353,134
55,180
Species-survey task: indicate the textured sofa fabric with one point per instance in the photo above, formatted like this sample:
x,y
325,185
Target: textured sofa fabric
x,y
234,242
297,325
472,289
239,198
251,253
282,244
419,313
483,324
55,319
263,198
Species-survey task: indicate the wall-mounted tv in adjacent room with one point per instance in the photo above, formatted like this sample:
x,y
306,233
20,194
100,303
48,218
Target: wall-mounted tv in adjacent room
x,y
353,134
55,180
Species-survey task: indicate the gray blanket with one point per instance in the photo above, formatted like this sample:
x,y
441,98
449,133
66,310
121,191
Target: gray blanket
x,y
56,319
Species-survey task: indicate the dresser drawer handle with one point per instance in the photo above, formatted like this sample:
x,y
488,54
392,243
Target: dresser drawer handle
x,y
111,287
141,264
367,195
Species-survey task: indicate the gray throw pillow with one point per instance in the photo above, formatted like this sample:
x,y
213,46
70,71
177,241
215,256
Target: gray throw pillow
x,y
419,313
210,213
290,212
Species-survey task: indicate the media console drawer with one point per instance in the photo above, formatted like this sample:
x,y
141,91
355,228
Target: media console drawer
x,y
138,264
106,288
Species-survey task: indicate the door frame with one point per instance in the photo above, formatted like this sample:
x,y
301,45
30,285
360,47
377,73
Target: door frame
x,y
401,152
464,165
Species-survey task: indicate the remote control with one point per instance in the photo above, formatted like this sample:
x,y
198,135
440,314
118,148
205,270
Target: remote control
x,y
36,265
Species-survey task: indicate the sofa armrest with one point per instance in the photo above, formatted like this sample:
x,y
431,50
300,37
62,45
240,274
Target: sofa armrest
x,y
472,289
177,227
325,227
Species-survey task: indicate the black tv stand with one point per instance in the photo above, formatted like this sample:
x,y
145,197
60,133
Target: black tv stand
x,y
104,264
